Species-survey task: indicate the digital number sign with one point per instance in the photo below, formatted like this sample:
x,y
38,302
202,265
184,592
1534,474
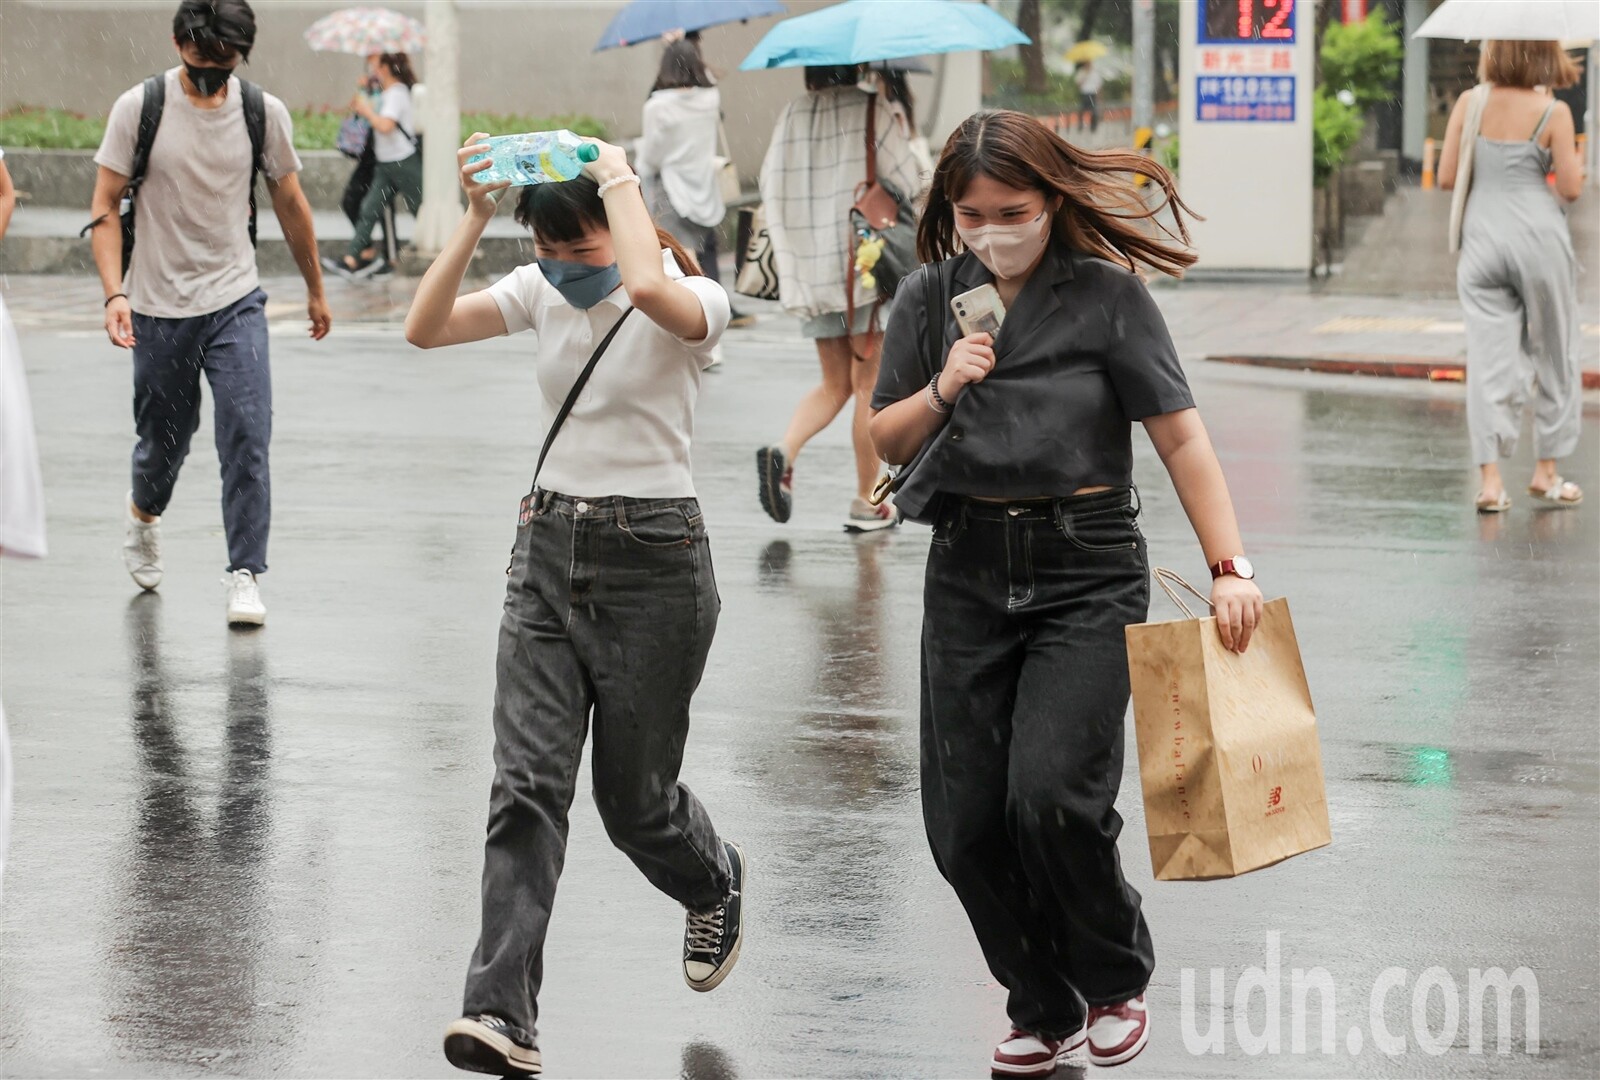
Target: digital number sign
x,y
1245,22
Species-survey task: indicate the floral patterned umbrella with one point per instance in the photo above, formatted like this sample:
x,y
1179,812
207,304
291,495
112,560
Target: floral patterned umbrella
x,y
366,31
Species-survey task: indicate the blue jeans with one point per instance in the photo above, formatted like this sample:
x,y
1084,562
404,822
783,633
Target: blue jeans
x,y
230,347
610,610
1024,687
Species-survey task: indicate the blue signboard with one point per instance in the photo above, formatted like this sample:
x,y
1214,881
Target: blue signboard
x,y
1246,22
1245,98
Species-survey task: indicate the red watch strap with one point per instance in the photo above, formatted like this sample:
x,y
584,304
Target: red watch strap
x,y
1221,568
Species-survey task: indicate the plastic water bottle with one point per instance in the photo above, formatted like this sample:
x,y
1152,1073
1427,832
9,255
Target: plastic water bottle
x,y
538,157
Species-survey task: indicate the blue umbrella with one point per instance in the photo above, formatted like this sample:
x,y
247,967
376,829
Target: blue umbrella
x,y
864,31
647,20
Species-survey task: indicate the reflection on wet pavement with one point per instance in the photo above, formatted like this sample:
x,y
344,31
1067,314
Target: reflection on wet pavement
x,y
258,853
192,920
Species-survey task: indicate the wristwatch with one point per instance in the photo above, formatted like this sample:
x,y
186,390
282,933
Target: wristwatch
x,y
1238,566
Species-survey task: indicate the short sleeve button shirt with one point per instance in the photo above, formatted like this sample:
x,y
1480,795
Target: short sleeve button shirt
x,y
1082,354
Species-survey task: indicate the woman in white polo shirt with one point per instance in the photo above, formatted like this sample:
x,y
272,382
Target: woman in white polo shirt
x,y
611,604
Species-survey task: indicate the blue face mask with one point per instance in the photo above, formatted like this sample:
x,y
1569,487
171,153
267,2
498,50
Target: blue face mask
x,y
581,285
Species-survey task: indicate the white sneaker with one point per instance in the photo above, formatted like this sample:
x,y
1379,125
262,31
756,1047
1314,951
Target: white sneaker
x,y
864,517
244,600
141,549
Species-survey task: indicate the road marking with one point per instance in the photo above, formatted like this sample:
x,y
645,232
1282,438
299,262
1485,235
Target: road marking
x,y
1389,324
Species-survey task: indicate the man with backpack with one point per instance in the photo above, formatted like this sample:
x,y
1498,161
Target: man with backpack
x,y
178,163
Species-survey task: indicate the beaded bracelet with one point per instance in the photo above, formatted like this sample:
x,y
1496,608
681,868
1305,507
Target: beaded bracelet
x,y
935,402
630,178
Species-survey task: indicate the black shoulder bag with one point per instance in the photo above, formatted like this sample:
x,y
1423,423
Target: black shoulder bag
x,y
933,291
526,513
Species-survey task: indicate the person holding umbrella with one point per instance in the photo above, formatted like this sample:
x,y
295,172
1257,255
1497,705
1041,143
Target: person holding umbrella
x,y
813,167
1518,275
674,158
398,169
813,170
1088,78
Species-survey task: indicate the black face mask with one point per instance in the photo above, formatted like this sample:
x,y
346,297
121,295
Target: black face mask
x,y
208,80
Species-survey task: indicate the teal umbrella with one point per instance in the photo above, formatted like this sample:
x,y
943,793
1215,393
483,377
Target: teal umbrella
x,y
865,31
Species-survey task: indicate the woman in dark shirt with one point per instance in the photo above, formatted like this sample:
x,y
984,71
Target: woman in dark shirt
x,y
1037,562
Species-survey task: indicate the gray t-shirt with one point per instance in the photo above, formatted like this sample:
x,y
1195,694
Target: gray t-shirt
x,y
1082,354
193,253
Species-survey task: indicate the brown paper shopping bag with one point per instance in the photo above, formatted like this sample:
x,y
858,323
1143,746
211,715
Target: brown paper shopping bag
x,y
1228,752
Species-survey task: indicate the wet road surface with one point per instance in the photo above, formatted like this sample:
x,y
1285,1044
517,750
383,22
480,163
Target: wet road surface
x,y
256,854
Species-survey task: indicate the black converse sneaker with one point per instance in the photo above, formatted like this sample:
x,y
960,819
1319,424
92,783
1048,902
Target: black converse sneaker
x,y
711,939
488,1044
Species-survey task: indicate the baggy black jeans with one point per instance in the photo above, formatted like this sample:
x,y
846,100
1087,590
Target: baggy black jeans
x,y
610,606
1024,687
230,347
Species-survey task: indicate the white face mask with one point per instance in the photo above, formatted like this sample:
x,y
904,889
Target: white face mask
x,y
1008,250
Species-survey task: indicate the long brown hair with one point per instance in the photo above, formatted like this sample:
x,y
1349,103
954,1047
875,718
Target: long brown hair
x,y
1102,213
1527,64
563,213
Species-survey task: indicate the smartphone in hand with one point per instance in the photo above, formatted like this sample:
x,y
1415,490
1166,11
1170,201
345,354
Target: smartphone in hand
x,y
979,311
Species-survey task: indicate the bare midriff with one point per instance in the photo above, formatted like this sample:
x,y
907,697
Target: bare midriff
x,y
1042,498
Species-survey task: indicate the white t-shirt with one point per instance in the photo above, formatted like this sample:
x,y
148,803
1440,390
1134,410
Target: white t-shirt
x,y
1089,80
395,145
630,431
679,141
192,225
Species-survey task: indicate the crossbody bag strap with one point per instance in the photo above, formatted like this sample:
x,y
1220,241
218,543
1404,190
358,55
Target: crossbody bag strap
x,y
572,396
872,140
152,103
255,122
850,235
150,109
932,354
933,297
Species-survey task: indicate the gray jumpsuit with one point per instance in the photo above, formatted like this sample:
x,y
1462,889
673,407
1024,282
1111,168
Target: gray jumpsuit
x,y
1517,280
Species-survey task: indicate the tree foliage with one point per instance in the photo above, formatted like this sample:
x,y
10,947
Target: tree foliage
x,y
1364,58
1335,128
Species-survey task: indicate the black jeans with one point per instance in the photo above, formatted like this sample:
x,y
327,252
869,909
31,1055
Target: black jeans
x,y
230,348
611,607
1024,687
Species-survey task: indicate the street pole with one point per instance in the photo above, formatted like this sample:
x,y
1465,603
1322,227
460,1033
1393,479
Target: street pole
x,y
1144,64
441,188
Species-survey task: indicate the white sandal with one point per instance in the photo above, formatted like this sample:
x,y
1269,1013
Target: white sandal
x,y
1494,506
1556,493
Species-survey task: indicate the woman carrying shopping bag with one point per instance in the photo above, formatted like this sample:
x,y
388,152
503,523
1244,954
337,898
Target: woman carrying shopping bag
x,y
1518,275
399,163
1037,563
611,603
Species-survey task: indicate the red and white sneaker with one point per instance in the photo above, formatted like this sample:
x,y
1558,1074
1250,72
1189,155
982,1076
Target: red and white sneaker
x,y
864,517
1026,1054
1118,1032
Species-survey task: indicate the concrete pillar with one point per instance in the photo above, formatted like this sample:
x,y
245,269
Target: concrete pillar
x,y
1414,84
1144,63
441,185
